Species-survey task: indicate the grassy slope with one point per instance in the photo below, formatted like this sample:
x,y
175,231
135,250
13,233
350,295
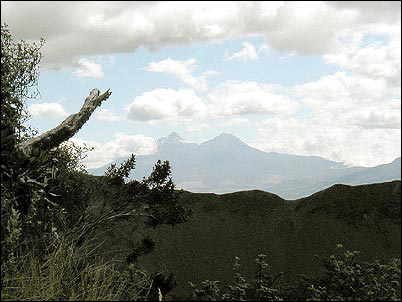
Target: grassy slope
x,y
248,223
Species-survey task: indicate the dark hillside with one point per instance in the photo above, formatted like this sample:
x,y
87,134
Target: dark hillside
x,y
222,227
356,204
364,218
290,233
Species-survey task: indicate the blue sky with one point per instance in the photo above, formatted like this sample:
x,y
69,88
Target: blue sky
x,y
292,77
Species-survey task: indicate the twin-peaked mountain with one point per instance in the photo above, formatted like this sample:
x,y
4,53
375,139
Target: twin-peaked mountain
x,y
226,164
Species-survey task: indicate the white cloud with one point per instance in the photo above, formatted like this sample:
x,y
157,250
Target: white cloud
x,y
347,117
210,73
343,100
264,48
123,145
88,69
47,110
247,53
166,106
374,60
182,71
387,116
198,127
241,98
236,121
75,29
353,145
106,115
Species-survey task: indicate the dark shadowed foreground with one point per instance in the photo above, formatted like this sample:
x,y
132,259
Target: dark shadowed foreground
x,y
243,224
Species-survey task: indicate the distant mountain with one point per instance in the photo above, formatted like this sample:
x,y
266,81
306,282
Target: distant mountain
x,y
366,218
226,164
381,173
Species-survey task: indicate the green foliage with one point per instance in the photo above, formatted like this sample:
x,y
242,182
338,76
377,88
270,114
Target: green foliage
x,y
119,175
70,156
19,76
33,211
349,279
98,204
27,200
90,209
29,203
262,288
346,279
163,207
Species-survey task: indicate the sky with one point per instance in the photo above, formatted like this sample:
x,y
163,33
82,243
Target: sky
x,y
306,78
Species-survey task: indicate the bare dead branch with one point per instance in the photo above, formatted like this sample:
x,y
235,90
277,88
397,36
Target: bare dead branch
x,y
54,137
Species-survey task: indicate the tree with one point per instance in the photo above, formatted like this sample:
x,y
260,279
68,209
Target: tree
x,y
23,180
46,200
31,209
19,77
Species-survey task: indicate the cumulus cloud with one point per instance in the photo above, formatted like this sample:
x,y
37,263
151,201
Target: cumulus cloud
x,y
182,71
88,69
353,145
47,110
233,98
75,29
106,115
166,106
344,117
387,116
198,127
236,121
123,145
378,60
342,99
248,52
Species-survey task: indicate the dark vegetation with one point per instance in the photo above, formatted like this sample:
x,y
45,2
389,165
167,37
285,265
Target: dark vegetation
x,y
68,235
345,279
290,233
371,202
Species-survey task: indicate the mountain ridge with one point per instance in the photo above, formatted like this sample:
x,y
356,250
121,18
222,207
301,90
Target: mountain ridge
x,y
226,164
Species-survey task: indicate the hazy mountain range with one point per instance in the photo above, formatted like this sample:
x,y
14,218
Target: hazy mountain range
x,y
226,164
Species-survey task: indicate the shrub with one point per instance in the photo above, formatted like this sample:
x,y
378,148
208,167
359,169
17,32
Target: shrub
x,y
345,279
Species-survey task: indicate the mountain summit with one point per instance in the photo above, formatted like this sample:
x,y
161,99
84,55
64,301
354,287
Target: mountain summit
x,y
225,138
172,138
226,164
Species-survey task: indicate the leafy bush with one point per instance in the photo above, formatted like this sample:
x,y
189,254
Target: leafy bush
x,y
348,279
345,279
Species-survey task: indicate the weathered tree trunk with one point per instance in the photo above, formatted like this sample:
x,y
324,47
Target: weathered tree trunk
x,y
68,127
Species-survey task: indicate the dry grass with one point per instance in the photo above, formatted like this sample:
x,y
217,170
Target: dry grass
x,y
68,276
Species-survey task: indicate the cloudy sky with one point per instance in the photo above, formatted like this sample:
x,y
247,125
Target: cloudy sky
x,y
307,78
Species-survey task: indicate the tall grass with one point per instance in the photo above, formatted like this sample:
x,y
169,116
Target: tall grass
x,y
68,274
